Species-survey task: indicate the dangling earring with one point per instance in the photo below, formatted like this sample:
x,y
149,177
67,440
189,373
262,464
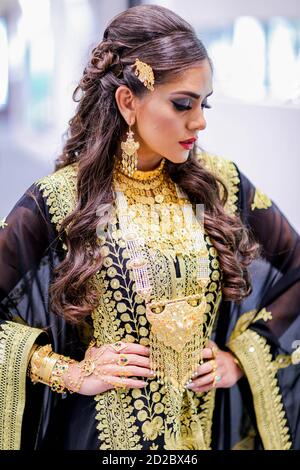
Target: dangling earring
x,y
129,154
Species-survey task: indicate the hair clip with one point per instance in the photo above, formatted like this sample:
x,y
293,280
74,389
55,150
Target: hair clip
x,y
145,74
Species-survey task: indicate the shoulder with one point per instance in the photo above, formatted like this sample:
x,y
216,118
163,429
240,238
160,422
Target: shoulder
x,y
59,190
226,171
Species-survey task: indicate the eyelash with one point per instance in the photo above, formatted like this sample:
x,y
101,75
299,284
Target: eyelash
x,y
181,107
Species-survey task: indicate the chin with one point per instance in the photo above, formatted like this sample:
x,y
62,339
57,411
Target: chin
x,y
179,158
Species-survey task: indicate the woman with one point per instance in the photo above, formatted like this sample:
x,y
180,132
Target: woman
x,y
118,269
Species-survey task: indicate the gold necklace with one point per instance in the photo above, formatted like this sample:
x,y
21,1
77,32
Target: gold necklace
x,y
176,335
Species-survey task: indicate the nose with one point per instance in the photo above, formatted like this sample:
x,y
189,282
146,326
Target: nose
x,y
197,121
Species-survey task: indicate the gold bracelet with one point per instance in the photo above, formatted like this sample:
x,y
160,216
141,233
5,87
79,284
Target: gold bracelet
x,y
47,367
33,349
61,366
37,358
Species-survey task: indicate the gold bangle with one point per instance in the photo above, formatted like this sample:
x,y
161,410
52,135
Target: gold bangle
x,y
47,367
37,358
33,349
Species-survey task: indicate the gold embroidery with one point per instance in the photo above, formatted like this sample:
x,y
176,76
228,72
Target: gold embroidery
x,y
16,342
247,318
110,326
3,223
295,357
228,173
282,361
261,201
59,190
254,354
247,443
127,420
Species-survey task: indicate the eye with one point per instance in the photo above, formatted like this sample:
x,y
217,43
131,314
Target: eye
x,y
205,105
183,105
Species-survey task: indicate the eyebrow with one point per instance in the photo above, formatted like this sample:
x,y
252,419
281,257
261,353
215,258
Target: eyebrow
x,y
190,93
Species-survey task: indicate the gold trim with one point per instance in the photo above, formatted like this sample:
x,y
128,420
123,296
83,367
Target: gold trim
x,y
59,190
260,201
3,223
295,357
228,173
247,318
254,354
16,344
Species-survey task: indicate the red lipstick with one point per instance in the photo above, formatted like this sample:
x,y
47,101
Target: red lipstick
x,y
188,144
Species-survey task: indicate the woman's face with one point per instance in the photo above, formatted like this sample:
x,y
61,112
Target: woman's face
x,y
173,113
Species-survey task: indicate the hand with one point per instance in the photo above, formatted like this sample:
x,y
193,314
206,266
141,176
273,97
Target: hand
x,y
226,370
111,369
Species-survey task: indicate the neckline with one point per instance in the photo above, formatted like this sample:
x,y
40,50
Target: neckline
x,y
142,175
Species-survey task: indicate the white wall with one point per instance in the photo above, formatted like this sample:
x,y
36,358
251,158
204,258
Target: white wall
x,y
208,13
264,140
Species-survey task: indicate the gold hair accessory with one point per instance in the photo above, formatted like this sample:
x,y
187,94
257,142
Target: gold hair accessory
x,y
129,154
145,74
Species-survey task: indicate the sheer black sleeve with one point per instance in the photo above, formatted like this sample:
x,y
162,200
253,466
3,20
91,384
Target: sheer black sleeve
x,y
24,238
280,245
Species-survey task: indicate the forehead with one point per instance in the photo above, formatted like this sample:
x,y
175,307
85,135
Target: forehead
x,y
197,79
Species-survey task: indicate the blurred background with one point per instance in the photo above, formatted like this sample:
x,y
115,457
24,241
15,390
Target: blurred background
x,y
255,115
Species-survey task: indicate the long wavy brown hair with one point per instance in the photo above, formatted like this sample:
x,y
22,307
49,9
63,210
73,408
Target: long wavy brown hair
x,y
170,45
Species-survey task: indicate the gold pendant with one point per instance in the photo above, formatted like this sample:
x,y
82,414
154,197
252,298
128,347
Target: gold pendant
x,y
174,322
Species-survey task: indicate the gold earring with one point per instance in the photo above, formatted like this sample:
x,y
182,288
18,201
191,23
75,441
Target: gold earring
x,y
129,154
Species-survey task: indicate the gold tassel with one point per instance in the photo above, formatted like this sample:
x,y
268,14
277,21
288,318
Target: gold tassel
x,y
176,338
129,154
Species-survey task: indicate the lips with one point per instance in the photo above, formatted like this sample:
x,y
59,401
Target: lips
x,y
188,144
188,141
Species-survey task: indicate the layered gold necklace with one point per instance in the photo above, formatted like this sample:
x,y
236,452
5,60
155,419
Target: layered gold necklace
x,y
154,214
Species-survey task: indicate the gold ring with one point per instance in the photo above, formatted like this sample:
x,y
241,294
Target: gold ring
x,y
118,346
124,373
214,351
217,378
122,360
121,383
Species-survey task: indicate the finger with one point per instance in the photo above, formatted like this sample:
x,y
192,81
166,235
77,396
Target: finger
x,y
207,353
200,382
204,389
126,371
205,368
133,348
132,359
124,382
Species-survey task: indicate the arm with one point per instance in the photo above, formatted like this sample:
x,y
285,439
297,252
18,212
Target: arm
x,y
256,338
24,236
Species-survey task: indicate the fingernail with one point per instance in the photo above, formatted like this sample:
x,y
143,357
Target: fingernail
x,y
189,385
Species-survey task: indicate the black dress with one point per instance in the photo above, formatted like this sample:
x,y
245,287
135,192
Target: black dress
x,y
262,411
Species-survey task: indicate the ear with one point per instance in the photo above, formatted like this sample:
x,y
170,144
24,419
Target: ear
x,y
126,103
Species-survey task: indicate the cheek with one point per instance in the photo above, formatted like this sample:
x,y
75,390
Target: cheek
x,y
159,126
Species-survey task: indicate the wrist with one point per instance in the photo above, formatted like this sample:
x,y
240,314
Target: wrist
x,y
240,368
47,367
